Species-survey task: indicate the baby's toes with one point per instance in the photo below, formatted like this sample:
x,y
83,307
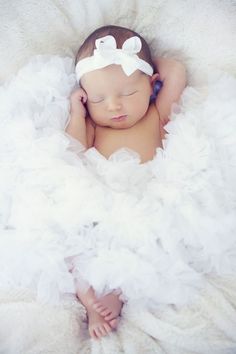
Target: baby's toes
x,y
102,330
107,327
106,312
99,308
110,316
113,323
97,333
92,333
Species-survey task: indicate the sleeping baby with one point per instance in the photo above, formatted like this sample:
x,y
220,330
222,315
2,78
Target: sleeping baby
x,y
116,106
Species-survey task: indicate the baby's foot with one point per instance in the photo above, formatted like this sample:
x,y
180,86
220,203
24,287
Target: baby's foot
x,y
109,307
97,325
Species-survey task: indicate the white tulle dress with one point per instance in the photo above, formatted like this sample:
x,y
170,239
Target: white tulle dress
x,y
153,230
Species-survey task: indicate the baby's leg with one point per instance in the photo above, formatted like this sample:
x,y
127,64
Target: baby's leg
x,y
97,325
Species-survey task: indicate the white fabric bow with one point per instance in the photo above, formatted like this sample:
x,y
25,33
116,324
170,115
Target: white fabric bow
x,y
106,53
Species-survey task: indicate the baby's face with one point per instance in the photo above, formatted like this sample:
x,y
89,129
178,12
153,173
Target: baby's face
x,y
116,100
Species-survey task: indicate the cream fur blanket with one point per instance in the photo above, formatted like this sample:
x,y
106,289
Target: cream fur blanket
x,y
202,35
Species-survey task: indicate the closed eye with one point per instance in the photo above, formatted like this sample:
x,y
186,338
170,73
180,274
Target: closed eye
x,y
96,100
129,93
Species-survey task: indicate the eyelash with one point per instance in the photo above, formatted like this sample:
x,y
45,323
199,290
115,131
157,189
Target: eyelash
x,y
129,94
96,101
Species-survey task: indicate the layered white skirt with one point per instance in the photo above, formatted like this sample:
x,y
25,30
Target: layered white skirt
x,y
156,230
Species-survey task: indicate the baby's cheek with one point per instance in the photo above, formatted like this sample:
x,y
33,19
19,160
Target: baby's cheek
x,y
98,119
92,111
141,106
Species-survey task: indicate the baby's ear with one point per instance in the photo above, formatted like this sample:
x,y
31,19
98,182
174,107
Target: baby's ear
x,y
154,78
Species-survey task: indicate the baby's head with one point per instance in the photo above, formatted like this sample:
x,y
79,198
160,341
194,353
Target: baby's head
x,y
115,69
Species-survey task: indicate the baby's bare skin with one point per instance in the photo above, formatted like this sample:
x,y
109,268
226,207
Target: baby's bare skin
x,y
102,313
109,306
106,95
143,137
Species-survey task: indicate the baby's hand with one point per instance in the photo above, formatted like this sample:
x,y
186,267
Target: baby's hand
x,y
77,100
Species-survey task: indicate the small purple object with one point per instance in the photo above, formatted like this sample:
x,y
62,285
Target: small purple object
x,y
157,86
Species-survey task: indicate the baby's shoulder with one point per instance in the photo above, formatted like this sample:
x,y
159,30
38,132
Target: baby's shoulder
x,y
90,131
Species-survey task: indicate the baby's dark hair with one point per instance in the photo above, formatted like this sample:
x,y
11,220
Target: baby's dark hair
x,y
120,34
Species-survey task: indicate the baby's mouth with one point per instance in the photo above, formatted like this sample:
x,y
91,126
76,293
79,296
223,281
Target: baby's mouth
x,y
119,118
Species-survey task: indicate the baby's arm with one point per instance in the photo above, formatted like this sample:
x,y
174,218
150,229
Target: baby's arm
x,y
77,124
173,75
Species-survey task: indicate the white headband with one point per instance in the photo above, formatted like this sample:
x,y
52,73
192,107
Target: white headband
x,y
106,53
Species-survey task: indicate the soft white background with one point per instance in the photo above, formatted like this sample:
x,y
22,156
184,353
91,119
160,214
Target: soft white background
x,y
201,33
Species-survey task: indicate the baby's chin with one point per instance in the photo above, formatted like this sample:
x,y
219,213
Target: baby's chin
x,y
122,123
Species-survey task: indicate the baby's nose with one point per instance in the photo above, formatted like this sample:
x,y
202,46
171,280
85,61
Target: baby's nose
x,y
114,104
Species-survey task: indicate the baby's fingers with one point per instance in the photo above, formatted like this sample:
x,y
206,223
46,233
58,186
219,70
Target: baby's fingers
x,y
84,98
82,94
79,95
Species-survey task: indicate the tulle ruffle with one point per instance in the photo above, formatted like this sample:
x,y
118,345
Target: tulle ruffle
x,y
155,230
